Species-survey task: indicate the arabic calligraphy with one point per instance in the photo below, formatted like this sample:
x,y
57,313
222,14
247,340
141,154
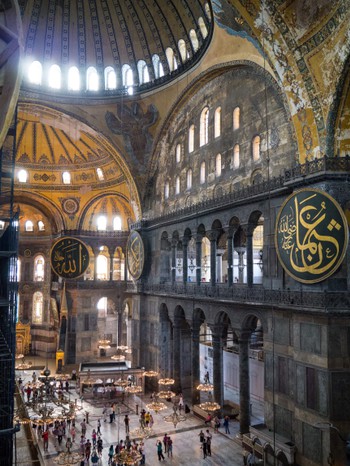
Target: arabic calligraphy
x,y
311,235
135,254
69,257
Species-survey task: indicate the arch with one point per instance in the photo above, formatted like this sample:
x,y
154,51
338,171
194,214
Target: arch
x,y
189,179
166,189
127,75
256,148
218,165
202,175
236,155
202,27
54,78
22,176
178,151
170,55
39,268
117,223
204,127
66,178
92,79
177,185
38,308
29,226
102,264
236,118
118,264
110,78
182,50
158,66
73,82
194,40
35,72
191,139
217,122
143,72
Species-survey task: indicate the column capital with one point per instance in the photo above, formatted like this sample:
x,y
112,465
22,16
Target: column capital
x,y
212,235
231,230
248,229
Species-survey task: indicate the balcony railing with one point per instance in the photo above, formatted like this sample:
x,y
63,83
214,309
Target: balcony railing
x,y
256,295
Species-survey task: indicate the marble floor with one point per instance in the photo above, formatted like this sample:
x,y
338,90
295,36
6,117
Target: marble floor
x,y
226,448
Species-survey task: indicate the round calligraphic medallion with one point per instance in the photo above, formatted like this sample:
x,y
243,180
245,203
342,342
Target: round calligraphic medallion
x,y
135,255
311,235
69,257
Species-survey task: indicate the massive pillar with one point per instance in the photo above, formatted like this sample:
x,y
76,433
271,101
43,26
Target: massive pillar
x,y
217,364
195,362
244,388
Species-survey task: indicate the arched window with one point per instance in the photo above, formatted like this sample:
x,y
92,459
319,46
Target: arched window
x,y
18,271
166,190
38,307
178,153
236,156
256,148
127,76
191,139
29,225
169,52
189,179
207,10
73,79
236,118
217,122
91,79
142,69
35,72
102,306
182,49
110,78
55,77
158,67
100,174
2,225
202,27
41,226
102,267
117,223
194,40
202,173
204,127
102,223
118,265
66,178
39,268
218,166
177,185
22,176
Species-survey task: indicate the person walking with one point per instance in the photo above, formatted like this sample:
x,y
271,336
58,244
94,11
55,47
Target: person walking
x,y
160,450
126,422
204,447
45,436
98,426
165,442
227,424
208,442
83,427
72,433
170,446
94,457
110,454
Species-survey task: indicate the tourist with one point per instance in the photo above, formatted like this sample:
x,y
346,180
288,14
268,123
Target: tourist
x,y
83,427
208,442
201,436
165,442
99,446
160,450
45,436
170,446
94,437
142,452
110,454
94,457
126,422
204,448
72,433
98,426
226,425
216,424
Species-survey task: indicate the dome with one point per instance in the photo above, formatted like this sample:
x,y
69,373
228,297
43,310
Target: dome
x,y
112,46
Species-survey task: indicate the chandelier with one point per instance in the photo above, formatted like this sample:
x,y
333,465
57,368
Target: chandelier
x,y
24,365
166,381
121,383
165,394
150,374
141,432
210,406
156,406
104,343
67,458
175,417
133,389
205,387
127,457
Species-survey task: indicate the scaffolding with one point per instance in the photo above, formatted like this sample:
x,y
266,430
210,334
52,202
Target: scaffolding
x,y
9,232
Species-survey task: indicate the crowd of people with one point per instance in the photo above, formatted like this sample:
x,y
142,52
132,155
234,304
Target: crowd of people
x,y
87,437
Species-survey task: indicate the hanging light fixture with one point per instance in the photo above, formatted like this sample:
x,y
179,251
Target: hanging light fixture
x,y
118,357
166,381
210,406
104,343
156,406
205,387
165,394
150,374
67,458
128,457
133,389
175,417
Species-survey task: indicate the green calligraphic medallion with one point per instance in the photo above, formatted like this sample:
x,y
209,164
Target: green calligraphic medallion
x,y
135,255
69,257
311,235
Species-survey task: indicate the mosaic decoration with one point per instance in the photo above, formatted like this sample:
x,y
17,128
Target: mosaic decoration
x,y
70,205
311,235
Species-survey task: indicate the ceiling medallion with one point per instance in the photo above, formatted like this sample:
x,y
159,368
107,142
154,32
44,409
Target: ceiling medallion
x,y
27,253
70,205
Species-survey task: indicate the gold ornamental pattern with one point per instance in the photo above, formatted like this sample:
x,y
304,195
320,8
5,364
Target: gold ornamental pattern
x,y
311,235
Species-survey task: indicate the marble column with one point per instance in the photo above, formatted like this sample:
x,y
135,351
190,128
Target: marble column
x,y
217,365
111,265
244,386
173,261
177,354
198,258
229,259
195,363
249,257
213,238
185,260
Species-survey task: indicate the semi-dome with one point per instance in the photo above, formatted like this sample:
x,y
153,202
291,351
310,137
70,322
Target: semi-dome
x,y
114,46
